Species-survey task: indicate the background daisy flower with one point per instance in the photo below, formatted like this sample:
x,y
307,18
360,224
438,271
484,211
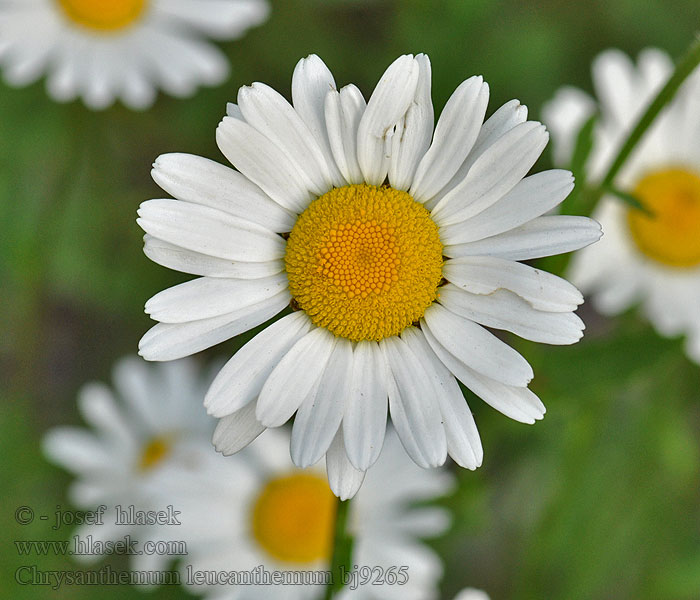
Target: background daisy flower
x,y
101,50
652,259
258,508
395,241
153,422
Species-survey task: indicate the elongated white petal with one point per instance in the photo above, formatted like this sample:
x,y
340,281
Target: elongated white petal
x,y
209,231
210,297
413,404
498,124
311,83
195,263
364,422
518,403
530,198
261,161
413,132
168,341
486,274
504,310
343,111
477,348
463,441
241,379
268,111
294,377
236,430
455,134
319,415
203,181
543,236
99,408
389,102
75,449
494,174
343,478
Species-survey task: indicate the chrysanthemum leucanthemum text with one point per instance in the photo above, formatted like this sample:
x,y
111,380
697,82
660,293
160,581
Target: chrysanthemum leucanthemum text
x,y
391,241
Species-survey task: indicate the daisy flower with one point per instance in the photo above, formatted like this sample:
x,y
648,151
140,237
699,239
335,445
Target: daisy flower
x,y
394,241
259,512
101,50
652,259
153,422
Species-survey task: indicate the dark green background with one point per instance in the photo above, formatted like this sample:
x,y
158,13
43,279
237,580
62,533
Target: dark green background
x,y
598,501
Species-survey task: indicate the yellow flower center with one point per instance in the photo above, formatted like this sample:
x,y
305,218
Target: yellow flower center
x,y
671,235
364,261
293,518
104,15
154,452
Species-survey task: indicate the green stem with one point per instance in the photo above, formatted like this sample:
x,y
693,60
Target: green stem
x,y
685,67
342,550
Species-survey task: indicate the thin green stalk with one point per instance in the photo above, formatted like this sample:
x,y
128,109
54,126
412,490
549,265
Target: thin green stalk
x,y
342,550
686,65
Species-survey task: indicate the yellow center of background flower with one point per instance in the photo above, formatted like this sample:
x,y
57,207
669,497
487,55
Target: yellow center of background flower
x,y
154,452
671,235
364,261
293,518
104,15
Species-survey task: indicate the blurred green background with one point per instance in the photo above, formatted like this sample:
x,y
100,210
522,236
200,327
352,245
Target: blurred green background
x,y
601,500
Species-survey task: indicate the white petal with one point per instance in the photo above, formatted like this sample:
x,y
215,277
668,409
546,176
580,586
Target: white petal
x,y
99,408
243,376
319,415
530,198
294,377
210,297
269,113
364,422
564,116
614,78
195,263
498,124
518,403
75,449
343,111
414,131
167,341
463,441
266,165
235,431
343,478
389,102
203,181
504,310
413,404
477,348
544,236
221,19
455,134
486,274
209,231
493,174
311,83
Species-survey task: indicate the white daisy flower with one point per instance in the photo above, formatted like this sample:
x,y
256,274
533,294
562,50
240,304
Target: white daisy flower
x,y
101,50
154,422
395,242
259,509
649,259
